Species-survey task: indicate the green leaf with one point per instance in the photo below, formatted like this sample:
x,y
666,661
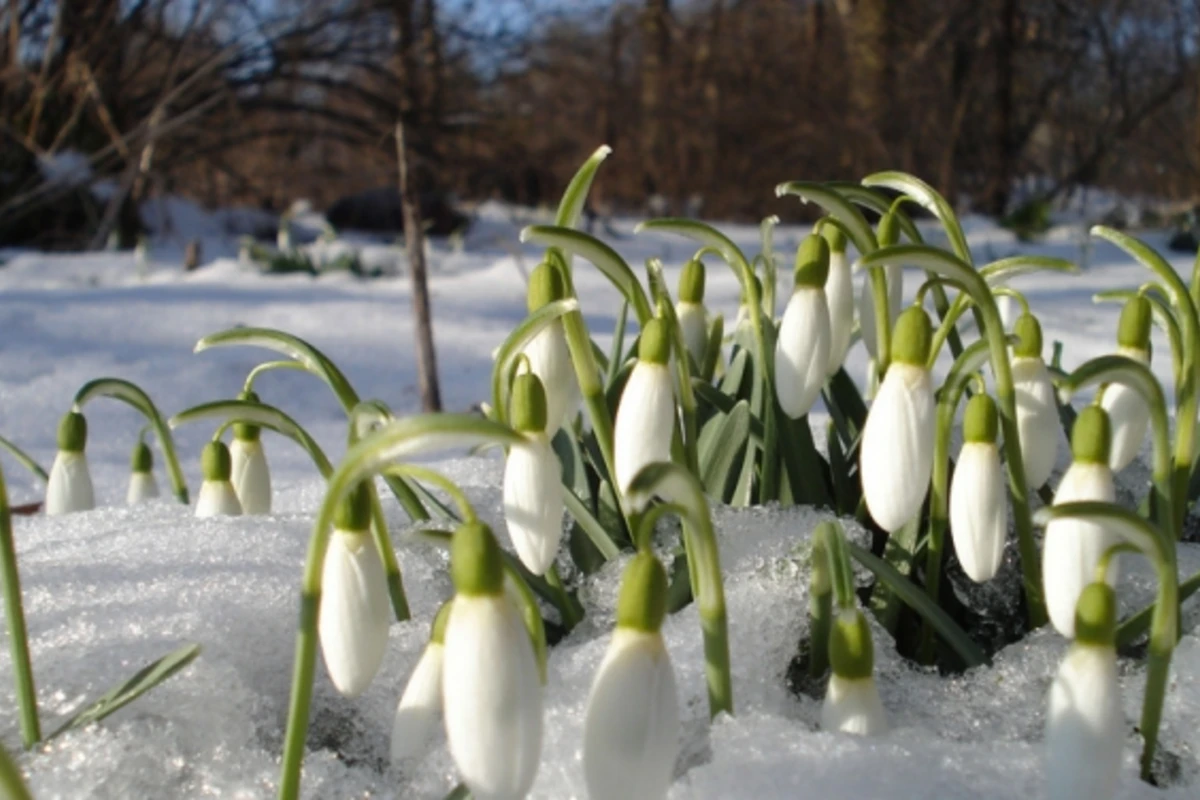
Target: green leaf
x,y
603,257
712,350
575,197
1005,269
929,199
725,404
616,354
141,682
515,344
806,469
916,599
722,439
24,459
590,525
834,203
900,552
845,486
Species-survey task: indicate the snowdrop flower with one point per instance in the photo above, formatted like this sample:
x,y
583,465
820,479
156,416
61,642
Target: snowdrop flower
x,y
631,726
646,414
1126,409
802,348
897,440
978,503
839,296
217,497
549,357
490,684
355,610
251,477
693,317
852,703
743,313
1038,424
1084,724
70,486
420,708
533,502
889,232
142,486
1073,548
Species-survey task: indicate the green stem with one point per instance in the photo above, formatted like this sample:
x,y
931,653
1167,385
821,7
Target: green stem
x,y
269,366
566,607
12,787
18,636
439,480
24,459
391,566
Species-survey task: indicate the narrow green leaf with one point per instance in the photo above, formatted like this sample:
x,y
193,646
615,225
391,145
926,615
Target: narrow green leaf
x,y
24,459
575,197
590,525
616,354
929,199
842,210
900,553
263,415
603,257
1006,269
712,350
730,433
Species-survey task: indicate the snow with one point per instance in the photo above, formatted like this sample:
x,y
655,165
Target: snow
x,y
110,590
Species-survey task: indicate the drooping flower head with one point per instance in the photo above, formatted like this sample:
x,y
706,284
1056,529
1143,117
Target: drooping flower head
x,y
802,349
420,708
549,357
1085,727
533,502
355,610
142,486
839,296
896,459
1038,426
217,497
852,703
1128,411
646,415
693,317
1073,548
978,503
70,486
250,475
631,726
491,689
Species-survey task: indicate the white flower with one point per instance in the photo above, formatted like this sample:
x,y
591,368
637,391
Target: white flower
x,y
1129,414
420,708
693,322
802,348
979,510
533,503
1038,425
1073,548
250,475
852,705
70,486
493,701
866,306
217,498
839,295
631,727
548,354
646,415
355,611
142,487
897,446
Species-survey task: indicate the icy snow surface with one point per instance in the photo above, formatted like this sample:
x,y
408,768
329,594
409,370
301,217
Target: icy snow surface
x,y
107,591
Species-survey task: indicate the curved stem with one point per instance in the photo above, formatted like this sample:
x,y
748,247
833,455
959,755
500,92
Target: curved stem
x,y
268,366
1008,291
24,459
439,480
18,636
262,415
391,566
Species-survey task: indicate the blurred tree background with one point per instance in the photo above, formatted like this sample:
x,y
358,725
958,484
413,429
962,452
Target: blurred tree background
x,y
708,103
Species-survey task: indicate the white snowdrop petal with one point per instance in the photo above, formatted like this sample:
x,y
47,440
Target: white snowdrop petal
x,y
1130,418
839,297
355,611
142,487
1085,728
250,476
631,727
852,705
1038,425
645,421
1072,548
420,708
216,499
802,351
70,486
533,503
979,510
492,698
550,359
693,322
897,446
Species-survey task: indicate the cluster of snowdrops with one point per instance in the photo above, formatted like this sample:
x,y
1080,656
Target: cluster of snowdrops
x,y
613,443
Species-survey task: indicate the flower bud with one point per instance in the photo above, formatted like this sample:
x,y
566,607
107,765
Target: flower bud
x,y
803,344
645,418
1038,426
69,487
217,496
533,502
420,708
852,703
978,502
142,486
839,297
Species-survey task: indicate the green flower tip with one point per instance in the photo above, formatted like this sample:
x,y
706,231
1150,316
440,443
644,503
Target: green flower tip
x,y
820,581
655,344
476,563
981,423
889,229
1029,337
353,514
1134,328
812,262
642,603
143,459
912,337
1092,436
851,653
72,432
437,631
743,299
1096,615
244,430
528,403
215,463
691,282
835,238
545,286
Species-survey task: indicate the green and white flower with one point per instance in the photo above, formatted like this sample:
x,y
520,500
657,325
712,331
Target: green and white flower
x,y
549,357
142,486
217,496
533,502
693,316
1038,425
802,348
250,474
852,703
646,414
839,296
978,502
1126,409
69,488
420,709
